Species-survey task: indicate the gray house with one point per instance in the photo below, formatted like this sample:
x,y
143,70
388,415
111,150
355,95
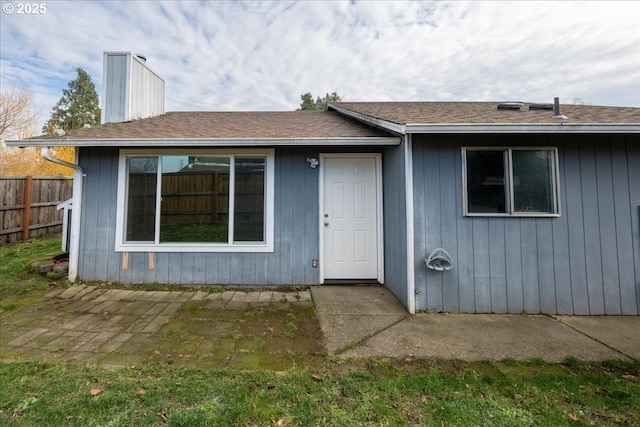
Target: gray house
x,y
454,206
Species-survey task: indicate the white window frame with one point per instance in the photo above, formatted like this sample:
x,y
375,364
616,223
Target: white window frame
x,y
509,183
269,187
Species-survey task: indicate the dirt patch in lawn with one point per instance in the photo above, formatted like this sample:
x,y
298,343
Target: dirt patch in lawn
x,y
252,338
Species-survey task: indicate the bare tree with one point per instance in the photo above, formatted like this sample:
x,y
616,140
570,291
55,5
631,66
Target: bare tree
x,y
18,117
19,120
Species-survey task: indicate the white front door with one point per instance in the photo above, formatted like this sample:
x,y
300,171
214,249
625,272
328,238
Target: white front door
x,y
350,217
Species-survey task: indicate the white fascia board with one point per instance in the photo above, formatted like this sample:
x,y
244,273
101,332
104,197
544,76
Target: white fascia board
x,y
208,142
383,124
559,128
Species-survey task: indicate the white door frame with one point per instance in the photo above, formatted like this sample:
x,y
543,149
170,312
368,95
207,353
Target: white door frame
x,y
379,222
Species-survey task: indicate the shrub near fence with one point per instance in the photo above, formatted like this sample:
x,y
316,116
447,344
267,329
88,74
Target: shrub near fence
x,y
28,207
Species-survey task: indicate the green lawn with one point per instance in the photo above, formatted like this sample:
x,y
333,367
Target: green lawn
x,y
328,392
338,394
16,276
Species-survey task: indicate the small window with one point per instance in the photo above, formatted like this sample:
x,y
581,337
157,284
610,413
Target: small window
x,y
195,201
512,181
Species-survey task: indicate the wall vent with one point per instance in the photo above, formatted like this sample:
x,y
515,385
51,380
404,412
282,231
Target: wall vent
x,y
510,106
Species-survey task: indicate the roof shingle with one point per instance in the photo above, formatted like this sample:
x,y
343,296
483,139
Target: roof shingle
x,y
231,125
477,113
332,125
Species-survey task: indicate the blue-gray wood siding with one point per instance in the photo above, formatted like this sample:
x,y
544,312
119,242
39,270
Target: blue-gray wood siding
x,y
115,88
585,262
295,228
395,221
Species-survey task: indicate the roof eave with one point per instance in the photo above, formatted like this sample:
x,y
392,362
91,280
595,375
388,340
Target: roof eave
x,y
548,128
397,128
208,142
485,128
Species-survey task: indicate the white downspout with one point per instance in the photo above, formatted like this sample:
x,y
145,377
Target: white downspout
x,y
74,243
408,173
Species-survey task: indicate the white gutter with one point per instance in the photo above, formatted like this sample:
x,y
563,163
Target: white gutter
x,y
208,142
74,242
550,128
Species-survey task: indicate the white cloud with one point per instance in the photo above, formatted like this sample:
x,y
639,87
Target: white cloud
x,y
229,55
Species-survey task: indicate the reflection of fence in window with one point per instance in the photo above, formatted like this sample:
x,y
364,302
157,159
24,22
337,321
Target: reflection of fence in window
x,y
195,207
195,198
141,206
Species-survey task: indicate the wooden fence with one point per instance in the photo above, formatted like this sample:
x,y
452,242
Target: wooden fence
x,y
193,198
28,207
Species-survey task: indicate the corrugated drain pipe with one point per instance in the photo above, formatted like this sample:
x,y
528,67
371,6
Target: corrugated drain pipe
x,y
74,241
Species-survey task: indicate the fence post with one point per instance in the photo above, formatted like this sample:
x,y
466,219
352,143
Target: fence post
x,y
26,218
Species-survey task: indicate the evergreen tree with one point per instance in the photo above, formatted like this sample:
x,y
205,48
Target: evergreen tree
x,y
307,102
78,106
320,103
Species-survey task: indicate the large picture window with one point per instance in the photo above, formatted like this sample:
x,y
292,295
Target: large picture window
x,y
195,201
510,181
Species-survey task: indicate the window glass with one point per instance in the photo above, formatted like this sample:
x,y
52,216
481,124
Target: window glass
x,y
141,199
249,199
533,181
209,200
486,181
195,199
510,181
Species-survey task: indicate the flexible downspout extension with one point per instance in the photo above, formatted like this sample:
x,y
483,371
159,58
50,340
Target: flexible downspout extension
x,y
74,244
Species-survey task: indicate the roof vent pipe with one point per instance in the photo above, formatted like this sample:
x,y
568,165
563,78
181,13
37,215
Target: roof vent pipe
x,y
557,114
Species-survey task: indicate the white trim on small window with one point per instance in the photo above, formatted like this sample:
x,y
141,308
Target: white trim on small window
x,y
267,245
508,181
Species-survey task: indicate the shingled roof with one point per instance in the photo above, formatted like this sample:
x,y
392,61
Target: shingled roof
x,y
478,113
346,123
212,127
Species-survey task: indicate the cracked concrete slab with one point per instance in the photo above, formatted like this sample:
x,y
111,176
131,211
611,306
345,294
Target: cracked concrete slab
x,y
482,337
368,322
621,333
351,314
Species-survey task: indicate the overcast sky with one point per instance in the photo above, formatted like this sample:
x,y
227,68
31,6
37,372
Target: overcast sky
x,y
262,55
